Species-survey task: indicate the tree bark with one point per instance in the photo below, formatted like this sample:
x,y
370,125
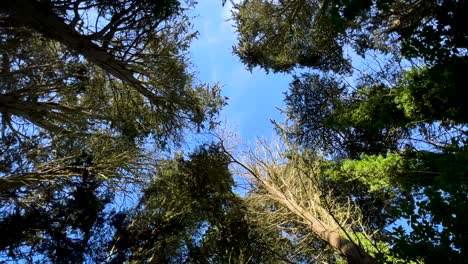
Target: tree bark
x,y
353,253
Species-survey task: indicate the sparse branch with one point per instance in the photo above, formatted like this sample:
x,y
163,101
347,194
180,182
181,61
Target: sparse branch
x,y
285,183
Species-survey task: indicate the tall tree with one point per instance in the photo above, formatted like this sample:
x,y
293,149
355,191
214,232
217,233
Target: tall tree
x,y
75,68
392,129
189,214
291,193
399,141
88,89
282,35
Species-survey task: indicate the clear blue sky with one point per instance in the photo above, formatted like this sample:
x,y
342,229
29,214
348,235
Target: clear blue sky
x,y
253,97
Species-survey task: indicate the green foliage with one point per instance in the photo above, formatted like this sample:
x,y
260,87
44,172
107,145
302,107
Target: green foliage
x,y
85,85
313,103
378,249
373,171
189,214
437,216
90,92
395,136
58,222
327,117
56,88
434,94
280,36
367,127
434,185
75,95
433,30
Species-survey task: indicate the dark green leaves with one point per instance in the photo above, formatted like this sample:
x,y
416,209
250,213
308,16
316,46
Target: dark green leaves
x,y
282,36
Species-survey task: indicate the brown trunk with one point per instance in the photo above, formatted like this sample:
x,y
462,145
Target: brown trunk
x,y
353,253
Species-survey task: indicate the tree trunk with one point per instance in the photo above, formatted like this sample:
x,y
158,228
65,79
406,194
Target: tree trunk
x,y
353,253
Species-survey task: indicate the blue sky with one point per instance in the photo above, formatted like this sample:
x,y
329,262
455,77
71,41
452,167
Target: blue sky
x,y
253,97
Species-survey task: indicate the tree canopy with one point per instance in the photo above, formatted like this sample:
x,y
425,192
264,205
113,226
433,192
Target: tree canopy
x,y
393,129
369,165
122,74
92,92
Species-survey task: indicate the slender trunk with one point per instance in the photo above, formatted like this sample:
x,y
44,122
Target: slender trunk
x,y
353,253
